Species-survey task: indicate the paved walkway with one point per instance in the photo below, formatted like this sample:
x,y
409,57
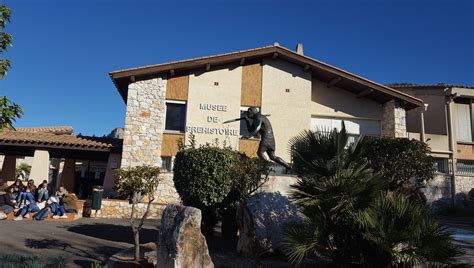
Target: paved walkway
x,y
82,242
86,241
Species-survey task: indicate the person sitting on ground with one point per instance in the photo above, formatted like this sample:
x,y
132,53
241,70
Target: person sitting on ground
x,y
70,202
61,192
29,205
42,191
6,202
19,185
32,186
3,186
56,208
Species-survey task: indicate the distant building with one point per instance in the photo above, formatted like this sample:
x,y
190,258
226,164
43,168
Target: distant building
x,y
447,126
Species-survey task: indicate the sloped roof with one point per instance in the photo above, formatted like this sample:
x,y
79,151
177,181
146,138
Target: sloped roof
x,y
437,85
38,139
52,130
320,70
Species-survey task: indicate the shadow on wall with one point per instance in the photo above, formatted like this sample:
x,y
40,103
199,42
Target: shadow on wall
x,y
270,213
116,233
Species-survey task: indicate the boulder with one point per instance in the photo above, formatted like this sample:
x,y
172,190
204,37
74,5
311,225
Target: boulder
x,y
261,220
180,241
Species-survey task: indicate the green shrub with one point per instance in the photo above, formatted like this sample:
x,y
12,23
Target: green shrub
x,y
400,160
351,216
203,176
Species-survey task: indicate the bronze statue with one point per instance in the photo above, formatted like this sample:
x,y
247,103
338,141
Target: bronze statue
x,y
258,123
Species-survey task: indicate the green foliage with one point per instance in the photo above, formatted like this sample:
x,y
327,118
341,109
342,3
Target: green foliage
x,y
249,174
6,39
351,216
9,112
23,167
18,261
203,176
400,160
136,182
400,232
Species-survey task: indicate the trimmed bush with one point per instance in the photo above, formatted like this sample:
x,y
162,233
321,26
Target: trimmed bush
x,y
203,176
399,161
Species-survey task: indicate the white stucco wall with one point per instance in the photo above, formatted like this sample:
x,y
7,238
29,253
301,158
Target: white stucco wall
x,y
336,102
290,111
226,94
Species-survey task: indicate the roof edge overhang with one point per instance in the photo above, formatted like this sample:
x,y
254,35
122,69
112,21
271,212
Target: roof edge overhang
x,y
122,78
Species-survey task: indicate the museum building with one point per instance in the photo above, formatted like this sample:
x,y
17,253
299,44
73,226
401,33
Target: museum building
x,y
167,102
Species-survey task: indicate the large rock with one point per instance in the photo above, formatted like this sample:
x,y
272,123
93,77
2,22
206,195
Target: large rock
x,y
261,221
180,241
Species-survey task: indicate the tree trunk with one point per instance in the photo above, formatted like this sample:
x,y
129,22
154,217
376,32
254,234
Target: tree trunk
x,y
136,236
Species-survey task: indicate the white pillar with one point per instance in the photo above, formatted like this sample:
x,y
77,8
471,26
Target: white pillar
x,y
40,167
112,164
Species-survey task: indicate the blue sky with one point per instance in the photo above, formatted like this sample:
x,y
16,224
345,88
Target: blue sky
x,y
64,49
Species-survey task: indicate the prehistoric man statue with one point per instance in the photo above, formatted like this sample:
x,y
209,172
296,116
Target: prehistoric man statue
x,y
258,123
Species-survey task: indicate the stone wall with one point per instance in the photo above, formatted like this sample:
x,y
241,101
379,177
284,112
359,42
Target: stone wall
x,y
463,185
166,192
394,120
144,123
121,209
438,190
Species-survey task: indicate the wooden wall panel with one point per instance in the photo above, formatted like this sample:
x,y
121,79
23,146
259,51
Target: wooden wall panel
x,y
465,151
177,88
251,85
169,145
249,147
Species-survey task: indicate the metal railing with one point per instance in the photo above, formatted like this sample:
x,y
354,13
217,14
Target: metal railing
x,y
465,167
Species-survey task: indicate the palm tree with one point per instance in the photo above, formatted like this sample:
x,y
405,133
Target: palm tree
x,y
399,232
342,200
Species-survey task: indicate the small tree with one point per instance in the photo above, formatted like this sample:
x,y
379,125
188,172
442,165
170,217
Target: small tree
x,y
136,183
9,111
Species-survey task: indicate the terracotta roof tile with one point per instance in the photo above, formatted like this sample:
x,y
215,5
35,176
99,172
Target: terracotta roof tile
x,y
51,130
438,85
47,139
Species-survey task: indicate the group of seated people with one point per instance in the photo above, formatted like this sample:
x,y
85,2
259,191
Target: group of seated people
x,y
23,200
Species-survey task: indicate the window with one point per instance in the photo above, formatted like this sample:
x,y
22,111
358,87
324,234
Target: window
x,y
243,126
463,120
353,126
166,164
441,165
175,116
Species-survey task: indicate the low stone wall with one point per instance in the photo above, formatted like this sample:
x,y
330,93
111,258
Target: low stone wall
x,y
463,185
438,190
166,192
120,209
